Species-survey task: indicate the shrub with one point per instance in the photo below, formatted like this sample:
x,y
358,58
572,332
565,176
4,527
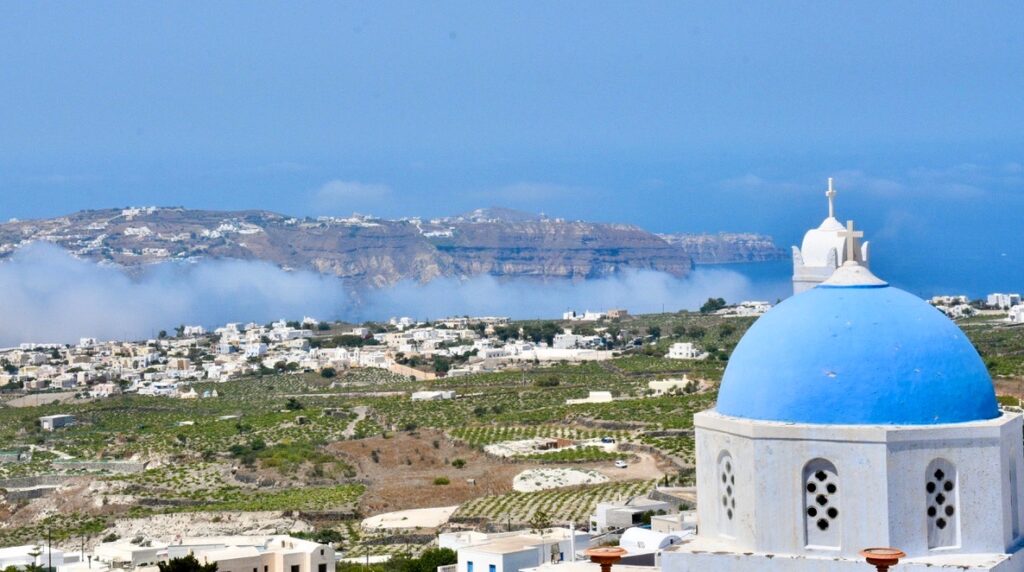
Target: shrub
x,y
547,381
442,481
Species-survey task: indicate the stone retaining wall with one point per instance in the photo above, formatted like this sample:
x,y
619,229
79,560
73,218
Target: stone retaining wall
x,y
109,466
36,481
29,494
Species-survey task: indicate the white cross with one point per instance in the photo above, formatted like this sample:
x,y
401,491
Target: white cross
x,y
851,237
831,194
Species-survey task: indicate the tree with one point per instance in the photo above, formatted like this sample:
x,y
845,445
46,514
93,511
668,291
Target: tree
x,y
442,364
679,330
432,558
328,372
539,522
547,381
186,564
503,333
294,405
162,334
712,305
327,535
654,332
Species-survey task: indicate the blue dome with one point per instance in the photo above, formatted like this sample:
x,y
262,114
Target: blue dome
x,y
851,355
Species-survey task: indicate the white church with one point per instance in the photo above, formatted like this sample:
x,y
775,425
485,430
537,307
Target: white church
x,y
854,415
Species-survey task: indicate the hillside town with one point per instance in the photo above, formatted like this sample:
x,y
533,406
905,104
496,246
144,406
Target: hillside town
x,y
454,346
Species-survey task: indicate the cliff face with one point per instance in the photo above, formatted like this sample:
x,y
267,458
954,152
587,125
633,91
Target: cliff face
x,y
727,247
365,251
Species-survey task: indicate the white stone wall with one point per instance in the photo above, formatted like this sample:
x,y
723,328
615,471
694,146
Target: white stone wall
x,y
881,478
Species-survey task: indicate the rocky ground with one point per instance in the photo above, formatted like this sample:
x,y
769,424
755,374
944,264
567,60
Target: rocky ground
x,y
171,526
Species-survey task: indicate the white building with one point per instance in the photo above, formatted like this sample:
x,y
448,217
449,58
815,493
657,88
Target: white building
x,y
255,350
825,441
745,309
663,386
568,340
277,553
685,350
821,251
38,554
1016,314
513,551
958,311
610,516
586,316
52,422
593,397
638,540
432,395
1002,301
159,388
685,521
948,300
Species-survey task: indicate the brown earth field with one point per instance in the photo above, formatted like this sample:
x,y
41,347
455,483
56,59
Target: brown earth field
x,y
1009,386
403,477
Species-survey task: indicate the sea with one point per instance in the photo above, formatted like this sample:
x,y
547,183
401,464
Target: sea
x,y
924,274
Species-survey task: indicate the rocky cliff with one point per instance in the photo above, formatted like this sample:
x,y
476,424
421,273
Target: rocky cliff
x,y
364,250
726,247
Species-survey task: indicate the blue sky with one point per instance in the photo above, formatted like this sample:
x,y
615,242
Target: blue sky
x,y
674,116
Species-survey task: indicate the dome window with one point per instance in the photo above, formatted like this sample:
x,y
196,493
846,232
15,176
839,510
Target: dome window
x,y
821,505
942,510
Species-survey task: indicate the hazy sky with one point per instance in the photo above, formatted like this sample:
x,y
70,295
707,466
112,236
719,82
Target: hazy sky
x,y
673,116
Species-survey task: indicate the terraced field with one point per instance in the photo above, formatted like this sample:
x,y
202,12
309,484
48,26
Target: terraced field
x,y
570,504
480,435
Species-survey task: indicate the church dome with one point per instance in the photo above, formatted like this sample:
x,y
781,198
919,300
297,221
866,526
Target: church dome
x,y
856,351
819,241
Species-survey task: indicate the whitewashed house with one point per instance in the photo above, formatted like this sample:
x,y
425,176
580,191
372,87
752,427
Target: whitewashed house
x,y
685,350
513,551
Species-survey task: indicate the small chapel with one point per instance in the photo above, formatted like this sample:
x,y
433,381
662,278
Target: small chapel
x,y
854,415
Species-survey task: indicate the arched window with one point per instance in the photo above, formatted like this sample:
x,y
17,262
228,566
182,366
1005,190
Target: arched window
x,y
726,493
942,506
821,505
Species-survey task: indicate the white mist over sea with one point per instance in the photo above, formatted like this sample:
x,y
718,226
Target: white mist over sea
x,y
47,295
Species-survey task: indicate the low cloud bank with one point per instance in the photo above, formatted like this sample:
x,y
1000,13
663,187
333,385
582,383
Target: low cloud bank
x,y
641,291
47,295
